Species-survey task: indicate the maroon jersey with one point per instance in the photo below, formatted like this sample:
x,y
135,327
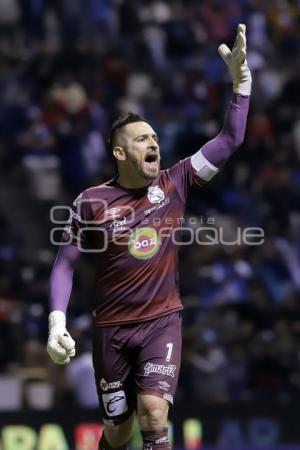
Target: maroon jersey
x,y
133,234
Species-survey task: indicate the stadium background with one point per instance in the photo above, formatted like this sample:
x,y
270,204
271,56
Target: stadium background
x,y
67,68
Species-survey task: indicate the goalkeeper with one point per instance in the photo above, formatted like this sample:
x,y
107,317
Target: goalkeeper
x,y
137,309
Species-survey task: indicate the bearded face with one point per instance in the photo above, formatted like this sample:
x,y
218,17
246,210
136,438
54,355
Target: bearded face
x,y
138,153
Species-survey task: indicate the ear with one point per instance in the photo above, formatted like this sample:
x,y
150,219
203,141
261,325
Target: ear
x,y
119,153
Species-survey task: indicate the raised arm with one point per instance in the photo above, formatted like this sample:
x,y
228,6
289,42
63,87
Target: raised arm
x,y
60,344
212,156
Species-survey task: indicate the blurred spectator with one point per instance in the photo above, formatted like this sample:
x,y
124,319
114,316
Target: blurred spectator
x,y
42,165
207,367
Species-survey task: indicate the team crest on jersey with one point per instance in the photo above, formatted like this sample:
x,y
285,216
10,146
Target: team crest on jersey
x,y
155,194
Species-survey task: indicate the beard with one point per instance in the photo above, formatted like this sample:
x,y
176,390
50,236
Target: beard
x,y
150,170
139,172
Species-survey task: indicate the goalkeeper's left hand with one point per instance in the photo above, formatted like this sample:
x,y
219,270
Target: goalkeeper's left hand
x,y
237,63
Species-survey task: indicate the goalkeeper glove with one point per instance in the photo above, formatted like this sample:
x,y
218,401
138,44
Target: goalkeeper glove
x,y
237,63
61,347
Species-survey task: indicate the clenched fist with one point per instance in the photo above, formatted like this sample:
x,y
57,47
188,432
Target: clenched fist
x,y
61,347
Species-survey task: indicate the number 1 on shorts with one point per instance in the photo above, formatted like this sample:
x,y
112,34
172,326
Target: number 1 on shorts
x,y
169,352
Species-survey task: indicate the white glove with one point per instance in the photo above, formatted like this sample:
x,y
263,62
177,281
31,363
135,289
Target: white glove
x,y
61,347
237,63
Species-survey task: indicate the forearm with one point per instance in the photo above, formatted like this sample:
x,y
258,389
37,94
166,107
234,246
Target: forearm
x,y
213,155
61,279
219,149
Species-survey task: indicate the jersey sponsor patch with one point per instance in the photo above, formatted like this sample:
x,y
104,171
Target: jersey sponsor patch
x,y
115,403
105,386
144,243
159,368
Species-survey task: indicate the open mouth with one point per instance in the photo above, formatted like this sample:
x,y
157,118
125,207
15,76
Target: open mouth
x,y
151,158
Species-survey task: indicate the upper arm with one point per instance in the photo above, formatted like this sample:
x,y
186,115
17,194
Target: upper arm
x,y
67,255
81,215
191,171
182,176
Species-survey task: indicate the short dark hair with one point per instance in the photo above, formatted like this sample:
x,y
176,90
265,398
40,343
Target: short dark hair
x,y
120,122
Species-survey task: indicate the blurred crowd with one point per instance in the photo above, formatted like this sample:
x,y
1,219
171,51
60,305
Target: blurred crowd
x,y
67,68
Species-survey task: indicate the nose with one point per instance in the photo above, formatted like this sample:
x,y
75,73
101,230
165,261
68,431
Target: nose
x,y
153,145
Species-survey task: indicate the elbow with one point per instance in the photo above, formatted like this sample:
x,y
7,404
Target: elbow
x,y
234,141
238,140
64,266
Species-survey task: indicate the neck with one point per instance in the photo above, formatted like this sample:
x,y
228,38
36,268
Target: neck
x,y
132,182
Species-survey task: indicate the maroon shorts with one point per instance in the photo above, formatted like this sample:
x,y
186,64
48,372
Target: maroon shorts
x,y
136,358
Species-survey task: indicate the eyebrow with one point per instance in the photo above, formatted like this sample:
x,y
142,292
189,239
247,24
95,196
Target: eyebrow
x,y
146,135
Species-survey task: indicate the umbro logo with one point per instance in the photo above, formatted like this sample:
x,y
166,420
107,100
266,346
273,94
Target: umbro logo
x,y
113,212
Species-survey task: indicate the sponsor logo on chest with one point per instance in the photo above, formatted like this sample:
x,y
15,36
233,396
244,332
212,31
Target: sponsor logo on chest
x,y
165,202
144,243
